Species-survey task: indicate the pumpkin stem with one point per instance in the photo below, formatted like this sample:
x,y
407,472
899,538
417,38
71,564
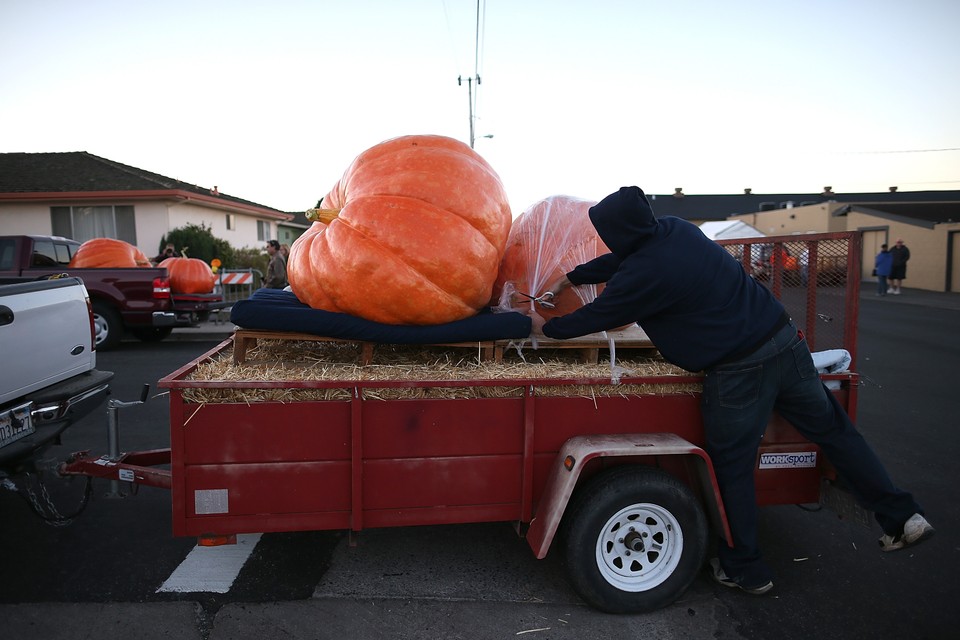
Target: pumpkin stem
x,y
326,216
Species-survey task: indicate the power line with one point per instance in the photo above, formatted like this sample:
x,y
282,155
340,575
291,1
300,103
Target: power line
x,y
902,151
471,91
453,46
476,46
936,182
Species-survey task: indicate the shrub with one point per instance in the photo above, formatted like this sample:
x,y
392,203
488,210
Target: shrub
x,y
198,241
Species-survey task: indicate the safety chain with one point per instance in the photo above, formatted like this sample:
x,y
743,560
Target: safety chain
x,y
42,505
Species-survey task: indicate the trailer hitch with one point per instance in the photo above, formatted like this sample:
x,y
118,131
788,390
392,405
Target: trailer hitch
x,y
135,467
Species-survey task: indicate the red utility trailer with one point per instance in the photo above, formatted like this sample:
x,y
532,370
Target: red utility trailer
x,y
615,465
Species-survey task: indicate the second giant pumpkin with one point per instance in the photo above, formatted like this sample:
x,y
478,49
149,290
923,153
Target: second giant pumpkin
x,y
189,275
547,240
412,233
106,253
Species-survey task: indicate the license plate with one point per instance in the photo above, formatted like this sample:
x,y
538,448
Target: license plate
x,y
15,423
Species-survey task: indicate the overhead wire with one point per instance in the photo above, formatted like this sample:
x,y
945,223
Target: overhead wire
x,y
473,82
481,19
902,151
453,47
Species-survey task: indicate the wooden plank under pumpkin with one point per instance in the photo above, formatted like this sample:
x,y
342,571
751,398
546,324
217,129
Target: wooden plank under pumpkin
x,y
632,337
246,339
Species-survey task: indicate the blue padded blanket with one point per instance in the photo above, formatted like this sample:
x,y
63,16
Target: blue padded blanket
x,y
276,310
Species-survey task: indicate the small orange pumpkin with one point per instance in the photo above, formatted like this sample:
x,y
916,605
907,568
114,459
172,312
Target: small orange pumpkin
x,y
106,253
547,240
412,233
189,275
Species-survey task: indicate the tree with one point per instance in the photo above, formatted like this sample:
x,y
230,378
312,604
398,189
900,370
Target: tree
x,y
198,241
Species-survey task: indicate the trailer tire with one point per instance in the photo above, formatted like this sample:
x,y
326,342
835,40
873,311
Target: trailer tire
x,y
654,513
108,328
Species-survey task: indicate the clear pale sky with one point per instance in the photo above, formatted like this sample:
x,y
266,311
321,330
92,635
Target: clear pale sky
x,y
271,101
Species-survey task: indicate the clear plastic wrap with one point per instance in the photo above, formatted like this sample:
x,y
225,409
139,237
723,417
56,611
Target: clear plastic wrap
x,y
546,241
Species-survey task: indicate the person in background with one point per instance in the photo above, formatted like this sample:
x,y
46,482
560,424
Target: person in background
x,y
804,265
882,265
705,313
285,252
168,252
276,277
898,270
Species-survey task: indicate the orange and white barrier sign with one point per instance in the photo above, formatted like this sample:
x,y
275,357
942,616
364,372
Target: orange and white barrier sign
x,y
245,277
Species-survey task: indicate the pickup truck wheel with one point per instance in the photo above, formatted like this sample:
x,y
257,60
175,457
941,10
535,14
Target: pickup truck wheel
x,y
152,334
636,539
108,329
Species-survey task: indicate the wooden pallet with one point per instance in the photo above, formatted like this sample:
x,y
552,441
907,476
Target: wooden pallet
x,y
589,346
246,339
632,338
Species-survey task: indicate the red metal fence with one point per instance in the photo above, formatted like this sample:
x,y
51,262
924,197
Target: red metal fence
x,y
815,276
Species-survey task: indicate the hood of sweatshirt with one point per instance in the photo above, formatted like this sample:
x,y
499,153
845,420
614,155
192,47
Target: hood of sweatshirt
x,y
623,220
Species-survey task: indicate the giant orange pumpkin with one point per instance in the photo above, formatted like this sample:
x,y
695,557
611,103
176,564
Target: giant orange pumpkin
x,y
412,233
550,238
189,275
105,253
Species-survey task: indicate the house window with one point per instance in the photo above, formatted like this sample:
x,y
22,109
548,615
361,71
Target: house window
x,y
231,222
263,230
87,223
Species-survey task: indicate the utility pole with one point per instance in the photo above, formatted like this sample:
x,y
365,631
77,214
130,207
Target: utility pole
x,y
470,98
476,76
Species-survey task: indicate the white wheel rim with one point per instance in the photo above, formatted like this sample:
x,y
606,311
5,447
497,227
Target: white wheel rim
x,y
100,328
659,537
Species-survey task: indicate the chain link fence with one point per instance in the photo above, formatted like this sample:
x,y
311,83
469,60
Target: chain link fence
x,y
815,276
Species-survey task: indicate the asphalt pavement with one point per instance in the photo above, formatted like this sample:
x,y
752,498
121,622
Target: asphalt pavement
x,y
917,297
699,615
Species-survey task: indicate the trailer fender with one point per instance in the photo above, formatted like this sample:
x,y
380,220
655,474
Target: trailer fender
x,y
578,451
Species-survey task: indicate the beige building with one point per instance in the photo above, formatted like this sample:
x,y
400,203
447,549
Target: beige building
x,y
930,230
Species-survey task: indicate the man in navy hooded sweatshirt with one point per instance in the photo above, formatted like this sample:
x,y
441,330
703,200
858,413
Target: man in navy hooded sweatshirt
x,y
705,313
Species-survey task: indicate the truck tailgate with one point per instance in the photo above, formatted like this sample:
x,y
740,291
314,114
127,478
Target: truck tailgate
x,y
51,307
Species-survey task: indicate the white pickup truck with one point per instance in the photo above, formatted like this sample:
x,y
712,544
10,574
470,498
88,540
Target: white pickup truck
x,y
48,377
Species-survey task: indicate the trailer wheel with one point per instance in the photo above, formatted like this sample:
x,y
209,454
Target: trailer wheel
x,y
108,329
636,538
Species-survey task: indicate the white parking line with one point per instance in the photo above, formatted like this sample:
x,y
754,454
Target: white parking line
x,y
211,569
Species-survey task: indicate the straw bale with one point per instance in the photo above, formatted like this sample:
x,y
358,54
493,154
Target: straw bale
x,y
305,361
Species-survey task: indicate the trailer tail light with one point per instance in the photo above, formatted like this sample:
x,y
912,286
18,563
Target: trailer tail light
x,y
569,462
211,540
161,288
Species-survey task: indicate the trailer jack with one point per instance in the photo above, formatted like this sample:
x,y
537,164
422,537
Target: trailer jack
x,y
134,467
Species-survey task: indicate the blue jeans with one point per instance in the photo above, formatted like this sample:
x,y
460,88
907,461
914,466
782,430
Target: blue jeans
x,y
738,399
881,285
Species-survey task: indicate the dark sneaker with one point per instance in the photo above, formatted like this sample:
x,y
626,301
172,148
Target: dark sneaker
x,y
721,577
915,530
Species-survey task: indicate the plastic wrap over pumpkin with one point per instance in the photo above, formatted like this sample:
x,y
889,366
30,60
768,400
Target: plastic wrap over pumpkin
x,y
412,234
108,253
550,238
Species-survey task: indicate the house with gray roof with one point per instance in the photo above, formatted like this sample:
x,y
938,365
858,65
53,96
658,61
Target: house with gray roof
x,y
80,195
